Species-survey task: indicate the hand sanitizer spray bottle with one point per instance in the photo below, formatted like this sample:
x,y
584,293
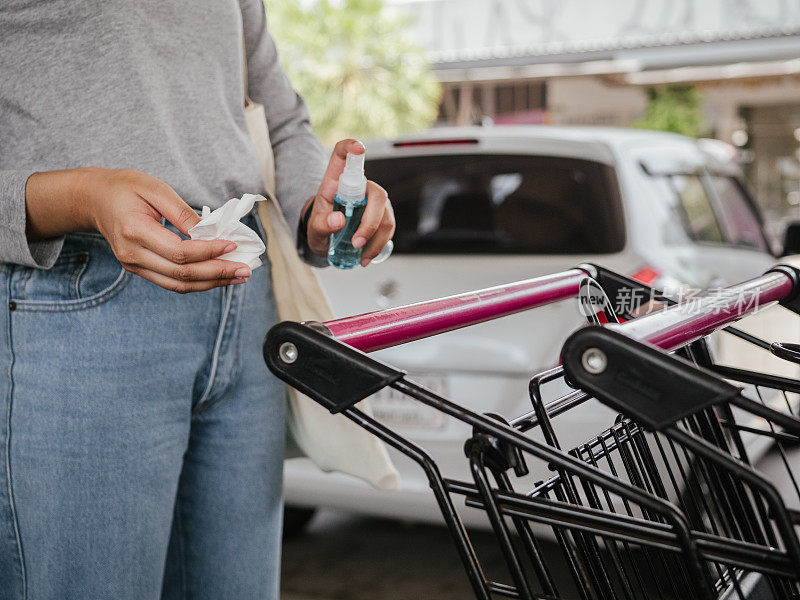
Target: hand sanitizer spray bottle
x,y
350,199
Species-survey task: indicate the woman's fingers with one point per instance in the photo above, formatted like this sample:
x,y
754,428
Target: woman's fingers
x,y
180,286
148,247
320,226
377,203
153,236
129,217
376,228
330,181
168,203
325,223
207,270
382,236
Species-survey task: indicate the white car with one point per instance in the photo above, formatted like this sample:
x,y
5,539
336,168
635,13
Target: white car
x,y
478,207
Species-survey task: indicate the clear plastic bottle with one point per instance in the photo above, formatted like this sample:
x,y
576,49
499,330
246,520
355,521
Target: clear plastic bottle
x,y
350,199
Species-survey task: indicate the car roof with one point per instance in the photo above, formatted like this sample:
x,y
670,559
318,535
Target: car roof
x,y
592,143
665,150
570,132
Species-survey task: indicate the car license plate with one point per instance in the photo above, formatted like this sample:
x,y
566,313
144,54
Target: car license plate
x,y
395,409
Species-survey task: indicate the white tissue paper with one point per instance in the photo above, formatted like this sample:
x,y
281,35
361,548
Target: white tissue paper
x,y
224,224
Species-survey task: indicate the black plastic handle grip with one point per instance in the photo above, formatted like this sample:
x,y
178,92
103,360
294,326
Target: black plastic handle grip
x,y
640,381
332,373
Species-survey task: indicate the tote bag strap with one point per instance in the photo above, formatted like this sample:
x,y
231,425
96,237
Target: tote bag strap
x,y
332,442
256,119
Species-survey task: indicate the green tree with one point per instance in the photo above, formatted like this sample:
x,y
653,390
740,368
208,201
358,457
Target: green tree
x,y
674,108
356,65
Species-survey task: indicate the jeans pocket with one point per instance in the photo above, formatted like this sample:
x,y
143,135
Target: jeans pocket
x,y
85,274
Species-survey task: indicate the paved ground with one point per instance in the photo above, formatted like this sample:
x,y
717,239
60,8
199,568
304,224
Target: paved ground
x,y
343,557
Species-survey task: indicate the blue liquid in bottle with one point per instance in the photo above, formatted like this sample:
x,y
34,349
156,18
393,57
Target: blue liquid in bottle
x,y
341,253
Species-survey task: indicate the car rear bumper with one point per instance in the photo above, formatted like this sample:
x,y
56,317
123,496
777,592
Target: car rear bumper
x,y
305,485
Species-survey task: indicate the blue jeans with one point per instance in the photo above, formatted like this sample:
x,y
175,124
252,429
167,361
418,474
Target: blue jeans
x,y
141,435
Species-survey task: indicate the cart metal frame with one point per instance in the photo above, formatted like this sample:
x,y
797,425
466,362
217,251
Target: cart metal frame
x,y
665,502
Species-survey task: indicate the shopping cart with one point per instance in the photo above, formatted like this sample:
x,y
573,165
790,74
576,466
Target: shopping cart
x,y
667,501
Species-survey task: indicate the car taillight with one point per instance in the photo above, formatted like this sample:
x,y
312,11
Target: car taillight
x,y
646,275
443,142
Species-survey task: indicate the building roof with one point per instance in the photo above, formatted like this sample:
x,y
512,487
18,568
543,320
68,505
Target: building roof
x,y
609,37
601,49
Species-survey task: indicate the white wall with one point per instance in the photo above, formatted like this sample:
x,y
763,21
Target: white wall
x,y
722,101
589,101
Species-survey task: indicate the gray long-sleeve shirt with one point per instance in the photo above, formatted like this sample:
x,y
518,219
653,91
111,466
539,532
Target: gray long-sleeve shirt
x,y
153,85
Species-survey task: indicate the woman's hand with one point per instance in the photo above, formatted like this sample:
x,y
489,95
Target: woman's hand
x,y
377,223
126,207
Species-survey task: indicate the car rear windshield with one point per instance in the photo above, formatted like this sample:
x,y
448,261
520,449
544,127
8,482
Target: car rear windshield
x,y
501,204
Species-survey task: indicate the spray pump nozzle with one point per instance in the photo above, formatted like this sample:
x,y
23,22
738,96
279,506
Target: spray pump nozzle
x,y
352,182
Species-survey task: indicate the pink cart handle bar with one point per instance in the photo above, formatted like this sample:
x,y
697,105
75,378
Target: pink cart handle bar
x,y
391,327
683,323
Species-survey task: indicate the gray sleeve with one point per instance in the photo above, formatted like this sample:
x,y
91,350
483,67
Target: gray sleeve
x,y
299,157
14,246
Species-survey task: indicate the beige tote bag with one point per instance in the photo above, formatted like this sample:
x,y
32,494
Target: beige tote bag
x,y
332,442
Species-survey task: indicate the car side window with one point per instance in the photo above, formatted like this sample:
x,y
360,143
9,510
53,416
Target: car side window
x,y
701,221
739,222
